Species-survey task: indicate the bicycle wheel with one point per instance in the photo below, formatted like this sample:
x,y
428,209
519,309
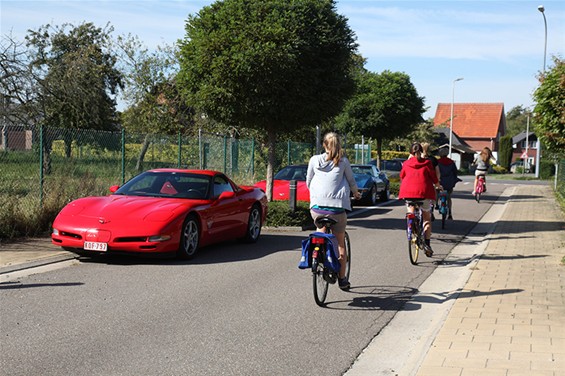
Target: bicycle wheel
x,y
413,246
348,253
443,217
320,283
478,196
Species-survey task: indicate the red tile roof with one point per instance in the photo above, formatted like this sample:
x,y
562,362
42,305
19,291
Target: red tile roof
x,y
471,119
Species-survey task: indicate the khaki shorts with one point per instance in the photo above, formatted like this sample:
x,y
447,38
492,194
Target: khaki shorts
x,y
427,203
340,218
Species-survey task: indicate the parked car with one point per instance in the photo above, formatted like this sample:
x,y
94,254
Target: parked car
x,y
372,183
518,166
162,212
281,183
392,167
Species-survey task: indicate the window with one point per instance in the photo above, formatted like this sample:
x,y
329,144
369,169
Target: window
x,y
221,184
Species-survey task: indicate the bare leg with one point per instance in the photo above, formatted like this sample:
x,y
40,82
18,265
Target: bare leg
x,y
340,236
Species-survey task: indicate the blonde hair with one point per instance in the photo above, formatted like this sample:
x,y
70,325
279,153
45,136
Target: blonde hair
x,y
425,149
333,147
486,154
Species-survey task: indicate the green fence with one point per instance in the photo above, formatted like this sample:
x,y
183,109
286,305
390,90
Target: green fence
x,y
560,179
41,168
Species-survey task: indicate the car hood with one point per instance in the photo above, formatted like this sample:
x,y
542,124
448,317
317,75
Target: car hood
x,y
281,189
128,209
362,180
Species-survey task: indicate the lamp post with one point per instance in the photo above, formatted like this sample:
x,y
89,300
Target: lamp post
x,y
451,118
542,10
538,157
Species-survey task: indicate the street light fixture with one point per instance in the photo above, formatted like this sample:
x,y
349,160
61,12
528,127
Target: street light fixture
x,y
542,10
451,118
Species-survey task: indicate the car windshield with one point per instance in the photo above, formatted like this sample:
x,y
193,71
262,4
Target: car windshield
x,y
292,173
167,184
391,165
362,170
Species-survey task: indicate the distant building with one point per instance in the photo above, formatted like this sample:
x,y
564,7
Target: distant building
x,y
523,146
15,138
476,124
461,153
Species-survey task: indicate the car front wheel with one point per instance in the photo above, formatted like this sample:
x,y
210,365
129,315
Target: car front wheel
x,y
190,237
253,225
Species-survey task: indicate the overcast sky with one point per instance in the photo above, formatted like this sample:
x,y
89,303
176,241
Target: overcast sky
x,y
496,46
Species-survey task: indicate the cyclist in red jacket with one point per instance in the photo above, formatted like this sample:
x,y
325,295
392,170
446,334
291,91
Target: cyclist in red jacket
x,y
419,182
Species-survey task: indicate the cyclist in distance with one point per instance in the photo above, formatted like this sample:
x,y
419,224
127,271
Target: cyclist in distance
x,y
482,161
419,183
330,181
448,176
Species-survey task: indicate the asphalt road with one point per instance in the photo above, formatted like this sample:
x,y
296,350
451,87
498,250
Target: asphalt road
x,y
236,309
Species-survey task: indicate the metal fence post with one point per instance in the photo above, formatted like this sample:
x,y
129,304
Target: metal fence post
x,y
123,156
180,149
200,147
41,166
225,155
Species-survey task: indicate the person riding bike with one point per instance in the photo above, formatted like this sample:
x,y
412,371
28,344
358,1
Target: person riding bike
x,y
419,183
330,181
483,162
448,177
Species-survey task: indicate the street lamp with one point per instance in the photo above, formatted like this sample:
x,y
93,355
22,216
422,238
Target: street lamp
x,y
542,10
451,118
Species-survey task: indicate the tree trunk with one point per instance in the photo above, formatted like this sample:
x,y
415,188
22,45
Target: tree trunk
x,y
272,137
142,152
379,152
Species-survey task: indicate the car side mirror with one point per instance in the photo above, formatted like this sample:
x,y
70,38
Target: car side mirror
x,y
114,188
226,195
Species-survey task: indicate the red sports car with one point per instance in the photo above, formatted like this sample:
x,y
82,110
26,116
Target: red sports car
x,y
281,183
162,211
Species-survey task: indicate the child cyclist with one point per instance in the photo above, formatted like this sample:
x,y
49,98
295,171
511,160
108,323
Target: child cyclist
x,y
483,162
419,183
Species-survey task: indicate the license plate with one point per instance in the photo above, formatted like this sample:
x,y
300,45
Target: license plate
x,y
96,246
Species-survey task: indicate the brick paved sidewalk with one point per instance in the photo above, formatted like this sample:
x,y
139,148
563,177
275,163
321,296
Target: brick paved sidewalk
x,y
510,317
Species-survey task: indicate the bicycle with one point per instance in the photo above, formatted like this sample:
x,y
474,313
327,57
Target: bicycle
x,y
480,188
322,275
443,206
415,231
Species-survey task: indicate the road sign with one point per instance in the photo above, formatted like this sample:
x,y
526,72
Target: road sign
x,y
524,155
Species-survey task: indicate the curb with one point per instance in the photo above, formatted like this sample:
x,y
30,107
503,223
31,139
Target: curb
x,y
35,263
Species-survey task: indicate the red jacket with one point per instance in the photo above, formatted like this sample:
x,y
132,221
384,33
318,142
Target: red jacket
x,y
417,179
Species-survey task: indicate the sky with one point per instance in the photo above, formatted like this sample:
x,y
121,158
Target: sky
x,y
497,47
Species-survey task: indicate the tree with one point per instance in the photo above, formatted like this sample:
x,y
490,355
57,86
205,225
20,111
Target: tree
x,y
155,104
77,77
505,151
550,108
516,121
385,106
270,65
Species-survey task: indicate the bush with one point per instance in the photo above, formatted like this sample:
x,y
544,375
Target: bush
x,y
280,215
546,169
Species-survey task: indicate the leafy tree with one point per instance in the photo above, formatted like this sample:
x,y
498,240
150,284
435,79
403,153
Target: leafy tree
x,y
150,89
76,73
274,65
516,121
505,151
385,106
550,108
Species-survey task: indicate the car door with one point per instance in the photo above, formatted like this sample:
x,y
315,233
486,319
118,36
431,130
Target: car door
x,y
226,214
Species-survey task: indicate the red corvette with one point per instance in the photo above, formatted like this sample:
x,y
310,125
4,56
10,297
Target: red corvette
x,y
281,183
162,211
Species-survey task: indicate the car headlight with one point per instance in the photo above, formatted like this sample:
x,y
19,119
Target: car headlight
x,y
55,231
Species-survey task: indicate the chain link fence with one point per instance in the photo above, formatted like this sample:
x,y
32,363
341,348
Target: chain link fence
x,y
42,169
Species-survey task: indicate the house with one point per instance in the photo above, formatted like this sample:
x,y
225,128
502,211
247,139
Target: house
x,y
476,124
524,146
15,138
461,153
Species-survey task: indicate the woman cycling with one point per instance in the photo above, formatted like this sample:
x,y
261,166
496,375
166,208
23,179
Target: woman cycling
x,y
418,183
330,181
482,161
448,176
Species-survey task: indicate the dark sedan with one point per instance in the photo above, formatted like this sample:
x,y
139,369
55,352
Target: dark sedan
x,y
373,184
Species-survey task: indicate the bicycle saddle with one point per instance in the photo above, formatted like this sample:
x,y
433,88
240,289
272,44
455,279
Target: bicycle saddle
x,y
415,202
325,222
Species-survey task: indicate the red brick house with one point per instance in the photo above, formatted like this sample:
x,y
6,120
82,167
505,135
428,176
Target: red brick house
x,y
477,124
